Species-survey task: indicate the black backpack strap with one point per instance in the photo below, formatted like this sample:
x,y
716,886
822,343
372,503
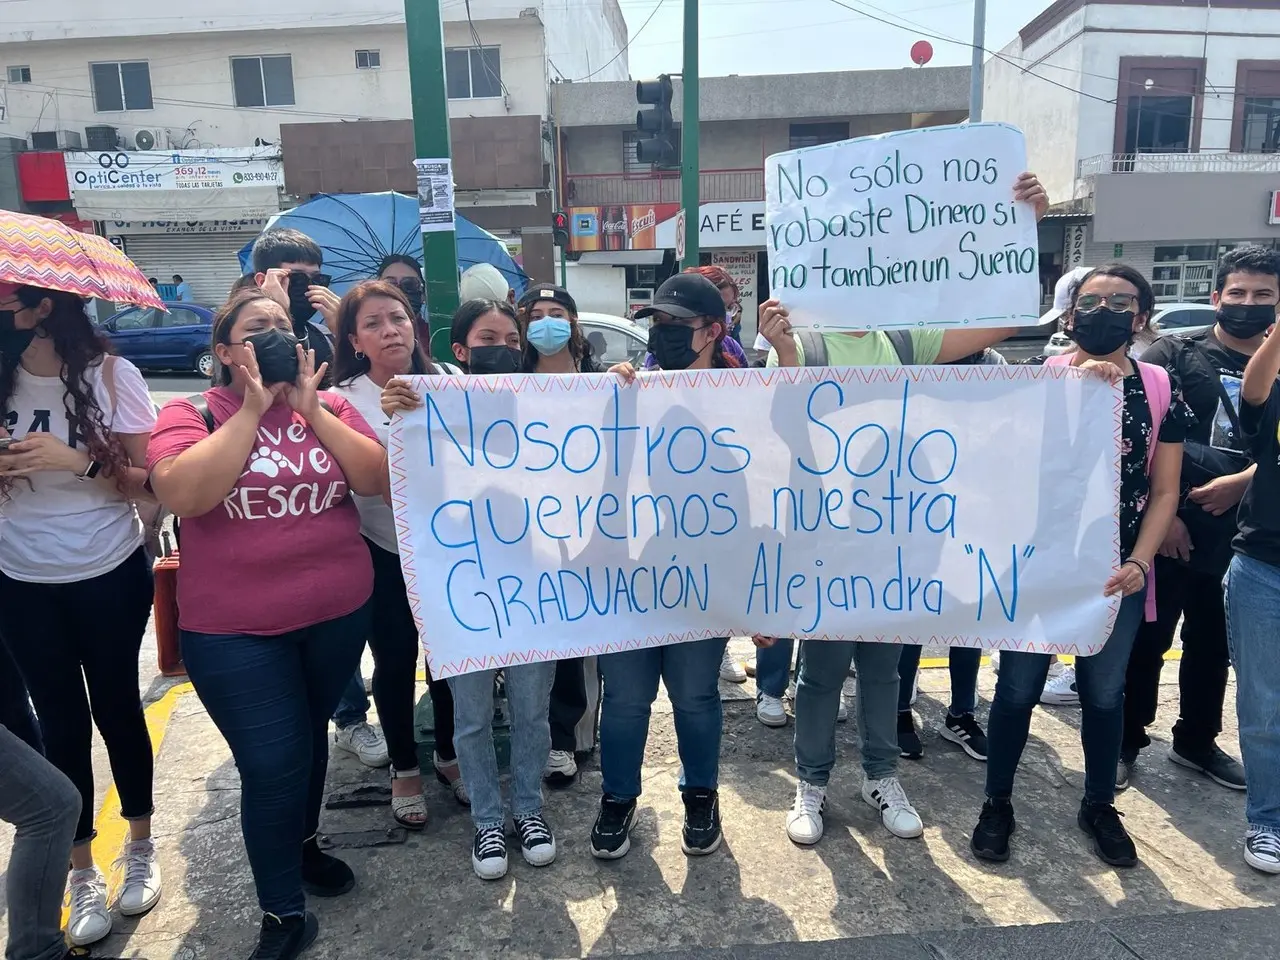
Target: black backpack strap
x,y
198,401
814,347
903,345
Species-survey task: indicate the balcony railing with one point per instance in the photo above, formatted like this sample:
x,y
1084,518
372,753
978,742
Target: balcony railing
x,y
599,189
1203,162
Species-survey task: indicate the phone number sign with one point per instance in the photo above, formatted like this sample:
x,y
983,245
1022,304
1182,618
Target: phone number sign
x,y
214,169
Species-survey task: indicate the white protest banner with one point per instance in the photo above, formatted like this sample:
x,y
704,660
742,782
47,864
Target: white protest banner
x,y
916,228
548,517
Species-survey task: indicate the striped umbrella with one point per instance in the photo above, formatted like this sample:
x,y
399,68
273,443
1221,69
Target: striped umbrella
x,y
39,252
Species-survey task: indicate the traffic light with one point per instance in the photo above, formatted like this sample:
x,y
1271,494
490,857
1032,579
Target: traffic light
x,y
659,148
560,228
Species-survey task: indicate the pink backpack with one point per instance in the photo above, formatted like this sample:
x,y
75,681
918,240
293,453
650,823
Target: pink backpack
x,y
1155,382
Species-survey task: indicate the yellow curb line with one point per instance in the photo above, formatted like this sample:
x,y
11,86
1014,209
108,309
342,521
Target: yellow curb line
x,y
112,828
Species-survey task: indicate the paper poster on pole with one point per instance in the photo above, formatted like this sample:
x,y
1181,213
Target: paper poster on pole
x,y
550,517
435,194
907,229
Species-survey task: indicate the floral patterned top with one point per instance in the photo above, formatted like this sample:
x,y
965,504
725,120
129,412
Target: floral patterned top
x,y
1135,439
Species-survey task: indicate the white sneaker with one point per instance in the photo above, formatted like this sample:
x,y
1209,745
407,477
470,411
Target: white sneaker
x,y
896,812
1061,690
770,711
1262,849
730,669
561,768
842,712
142,883
804,822
89,921
364,742
1056,667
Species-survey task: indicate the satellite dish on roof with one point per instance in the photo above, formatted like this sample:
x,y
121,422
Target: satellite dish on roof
x,y
921,52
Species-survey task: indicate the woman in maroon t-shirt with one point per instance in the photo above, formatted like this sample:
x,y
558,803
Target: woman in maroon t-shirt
x,y
274,587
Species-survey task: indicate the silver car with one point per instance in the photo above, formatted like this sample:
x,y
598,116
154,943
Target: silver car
x,y
614,339
1176,319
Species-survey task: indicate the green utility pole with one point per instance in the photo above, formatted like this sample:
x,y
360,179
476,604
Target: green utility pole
x,y
424,29
689,136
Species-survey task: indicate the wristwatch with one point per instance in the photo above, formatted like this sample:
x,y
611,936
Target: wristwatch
x,y
90,471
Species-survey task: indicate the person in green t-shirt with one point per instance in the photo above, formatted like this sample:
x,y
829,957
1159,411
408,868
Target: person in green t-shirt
x,y
826,663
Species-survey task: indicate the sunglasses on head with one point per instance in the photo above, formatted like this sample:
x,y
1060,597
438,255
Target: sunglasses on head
x,y
300,280
1089,302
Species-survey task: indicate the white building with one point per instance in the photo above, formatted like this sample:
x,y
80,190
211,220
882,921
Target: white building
x,y
1155,127
79,76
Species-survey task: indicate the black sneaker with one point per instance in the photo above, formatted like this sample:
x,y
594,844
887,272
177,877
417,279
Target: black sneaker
x,y
1215,763
537,843
995,826
611,835
323,875
283,938
965,733
909,745
1110,840
489,853
702,833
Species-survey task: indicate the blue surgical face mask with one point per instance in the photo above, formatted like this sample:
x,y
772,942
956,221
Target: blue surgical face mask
x,y
549,335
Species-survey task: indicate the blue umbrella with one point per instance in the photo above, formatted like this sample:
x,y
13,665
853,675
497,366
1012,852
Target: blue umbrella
x,y
356,230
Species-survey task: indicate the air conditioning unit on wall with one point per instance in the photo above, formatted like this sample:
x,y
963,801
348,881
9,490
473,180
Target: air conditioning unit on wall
x,y
149,138
55,140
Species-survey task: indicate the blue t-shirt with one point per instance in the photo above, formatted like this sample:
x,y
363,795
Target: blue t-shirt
x,y
184,292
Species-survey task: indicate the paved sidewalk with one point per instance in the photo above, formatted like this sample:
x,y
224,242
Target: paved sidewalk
x,y
859,893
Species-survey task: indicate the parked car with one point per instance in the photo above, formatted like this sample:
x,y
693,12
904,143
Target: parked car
x,y
614,339
1169,319
156,340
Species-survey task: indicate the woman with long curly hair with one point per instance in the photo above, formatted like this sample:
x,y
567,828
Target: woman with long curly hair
x,y
75,583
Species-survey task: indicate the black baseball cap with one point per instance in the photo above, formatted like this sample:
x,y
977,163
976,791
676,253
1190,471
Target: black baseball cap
x,y
685,296
548,291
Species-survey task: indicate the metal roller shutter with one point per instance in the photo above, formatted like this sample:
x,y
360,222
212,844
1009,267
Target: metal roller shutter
x,y
208,262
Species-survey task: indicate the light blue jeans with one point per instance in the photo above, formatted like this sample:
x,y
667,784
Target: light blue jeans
x,y
824,666
773,667
528,689
1253,634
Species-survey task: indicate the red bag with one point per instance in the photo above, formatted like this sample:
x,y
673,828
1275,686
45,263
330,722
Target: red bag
x,y
168,648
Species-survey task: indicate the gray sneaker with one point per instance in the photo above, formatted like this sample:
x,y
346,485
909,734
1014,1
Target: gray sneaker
x,y
1213,762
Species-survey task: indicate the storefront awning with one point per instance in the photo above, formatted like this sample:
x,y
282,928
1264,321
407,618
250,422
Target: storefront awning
x,y
240,203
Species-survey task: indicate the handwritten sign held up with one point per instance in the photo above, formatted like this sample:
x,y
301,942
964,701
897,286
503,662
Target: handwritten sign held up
x,y
549,517
916,228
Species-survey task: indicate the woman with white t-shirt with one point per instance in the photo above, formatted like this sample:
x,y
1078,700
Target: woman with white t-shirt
x,y
75,582
375,342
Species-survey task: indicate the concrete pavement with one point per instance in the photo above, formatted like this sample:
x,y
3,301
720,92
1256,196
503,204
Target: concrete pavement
x,y
858,893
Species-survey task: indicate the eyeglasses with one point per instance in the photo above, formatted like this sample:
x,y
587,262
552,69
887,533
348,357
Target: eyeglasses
x,y
1122,302
408,285
302,279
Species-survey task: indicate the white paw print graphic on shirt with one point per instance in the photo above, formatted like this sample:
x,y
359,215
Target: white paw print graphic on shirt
x,y
267,462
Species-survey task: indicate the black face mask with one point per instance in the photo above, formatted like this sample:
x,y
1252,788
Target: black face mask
x,y
1244,321
415,302
277,355
672,345
496,359
1102,332
13,342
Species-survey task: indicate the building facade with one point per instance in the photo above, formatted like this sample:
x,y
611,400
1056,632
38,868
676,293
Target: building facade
x,y
623,213
322,87
1155,125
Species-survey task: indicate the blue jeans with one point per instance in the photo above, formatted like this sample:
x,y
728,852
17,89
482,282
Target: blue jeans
x,y
773,667
824,665
1100,679
528,689
1253,632
964,663
691,673
270,698
353,708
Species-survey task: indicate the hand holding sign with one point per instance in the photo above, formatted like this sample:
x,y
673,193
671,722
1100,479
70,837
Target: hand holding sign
x,y
919,228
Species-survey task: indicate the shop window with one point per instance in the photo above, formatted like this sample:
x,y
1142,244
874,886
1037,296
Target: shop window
x,y
1184,274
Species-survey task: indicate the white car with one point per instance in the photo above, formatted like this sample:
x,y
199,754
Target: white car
x,y
1176,319
614,339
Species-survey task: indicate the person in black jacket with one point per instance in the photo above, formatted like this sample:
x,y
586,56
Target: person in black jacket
x,y
1216,471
